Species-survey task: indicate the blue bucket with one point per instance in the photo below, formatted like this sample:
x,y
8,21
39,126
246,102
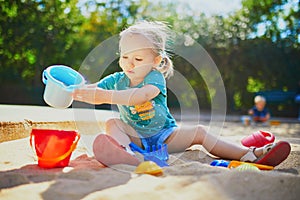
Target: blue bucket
x,y
60,81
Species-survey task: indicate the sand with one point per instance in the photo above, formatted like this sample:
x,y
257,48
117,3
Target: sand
x,y
189,175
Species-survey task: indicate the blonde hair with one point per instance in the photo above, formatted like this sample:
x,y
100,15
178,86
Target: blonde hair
x,y
159,35
259,99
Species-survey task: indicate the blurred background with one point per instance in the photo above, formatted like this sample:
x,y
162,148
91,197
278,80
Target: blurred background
x,y
255,44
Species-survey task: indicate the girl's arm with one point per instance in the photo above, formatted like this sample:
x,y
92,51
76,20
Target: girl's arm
x,y
135,96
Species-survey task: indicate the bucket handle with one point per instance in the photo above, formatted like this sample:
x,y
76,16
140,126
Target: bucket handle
x,y
45,77
60,158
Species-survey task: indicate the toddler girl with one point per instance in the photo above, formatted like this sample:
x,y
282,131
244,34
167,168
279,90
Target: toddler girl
x,y
140,93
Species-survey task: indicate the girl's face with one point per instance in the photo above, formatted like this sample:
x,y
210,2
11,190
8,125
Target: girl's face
x,y
137,57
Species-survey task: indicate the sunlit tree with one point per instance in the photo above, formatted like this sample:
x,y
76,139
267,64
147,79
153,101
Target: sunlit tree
x,y
35,34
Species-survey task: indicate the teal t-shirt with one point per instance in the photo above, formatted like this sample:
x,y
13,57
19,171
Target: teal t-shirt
x,y
149,118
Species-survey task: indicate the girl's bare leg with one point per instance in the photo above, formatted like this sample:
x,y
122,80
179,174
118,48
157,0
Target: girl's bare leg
x,y
108,150
184,137
122,132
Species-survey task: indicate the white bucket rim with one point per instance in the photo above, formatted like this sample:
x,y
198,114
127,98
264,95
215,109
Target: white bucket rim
x,y
47,75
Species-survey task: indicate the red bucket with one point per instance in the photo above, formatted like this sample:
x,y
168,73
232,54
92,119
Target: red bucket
x,y
53,147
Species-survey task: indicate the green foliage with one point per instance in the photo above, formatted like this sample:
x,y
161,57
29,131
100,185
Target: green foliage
x,y
254,85
35,34
238,100
280,18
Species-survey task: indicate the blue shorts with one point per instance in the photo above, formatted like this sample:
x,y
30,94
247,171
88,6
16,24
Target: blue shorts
x,y
157,139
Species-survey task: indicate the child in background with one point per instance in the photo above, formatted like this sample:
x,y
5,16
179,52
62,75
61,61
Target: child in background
x,y
140,92
259,112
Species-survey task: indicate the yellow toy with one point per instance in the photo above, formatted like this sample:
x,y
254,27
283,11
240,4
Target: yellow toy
x,y
149,167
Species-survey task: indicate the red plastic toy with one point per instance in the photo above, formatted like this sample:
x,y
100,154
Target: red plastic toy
x,y
258,139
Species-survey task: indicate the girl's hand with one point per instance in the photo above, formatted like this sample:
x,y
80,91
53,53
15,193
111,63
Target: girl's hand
x,y
89,94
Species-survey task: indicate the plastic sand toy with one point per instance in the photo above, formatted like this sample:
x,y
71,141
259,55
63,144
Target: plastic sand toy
x,y
158,154
258,139
53,147
235,164
247,167
148,167
60,81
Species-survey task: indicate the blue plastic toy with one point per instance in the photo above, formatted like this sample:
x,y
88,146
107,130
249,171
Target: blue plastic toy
x,y
158,154
220,163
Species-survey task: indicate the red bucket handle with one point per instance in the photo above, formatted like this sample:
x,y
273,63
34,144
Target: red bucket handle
x,y
62,157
